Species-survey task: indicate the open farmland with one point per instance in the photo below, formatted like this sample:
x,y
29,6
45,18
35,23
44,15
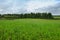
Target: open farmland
x,y
30,29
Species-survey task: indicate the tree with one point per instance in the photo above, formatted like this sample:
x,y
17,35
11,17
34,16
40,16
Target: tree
x,y
0,15
38,15
32,15
50,16
28,15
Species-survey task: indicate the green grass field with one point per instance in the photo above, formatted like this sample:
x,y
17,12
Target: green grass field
x,y
30,29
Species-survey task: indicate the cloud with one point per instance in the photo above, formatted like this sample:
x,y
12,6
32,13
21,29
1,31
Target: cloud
x,y
31,5
10,6
55,10
21,6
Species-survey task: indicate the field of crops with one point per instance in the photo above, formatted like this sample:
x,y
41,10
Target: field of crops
x,y
30,29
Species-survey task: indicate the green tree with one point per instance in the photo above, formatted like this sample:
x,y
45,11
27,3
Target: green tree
x,y
50,16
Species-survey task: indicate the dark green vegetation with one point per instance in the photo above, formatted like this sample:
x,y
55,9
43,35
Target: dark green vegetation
x,y
27,15
30,29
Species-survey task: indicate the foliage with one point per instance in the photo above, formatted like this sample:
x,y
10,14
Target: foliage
x,y
28,15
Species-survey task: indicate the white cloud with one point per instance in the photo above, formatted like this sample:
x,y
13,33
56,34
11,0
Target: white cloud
x,y
31,5
15,6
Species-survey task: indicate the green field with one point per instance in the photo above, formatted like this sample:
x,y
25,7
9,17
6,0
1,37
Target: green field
x,y
30,29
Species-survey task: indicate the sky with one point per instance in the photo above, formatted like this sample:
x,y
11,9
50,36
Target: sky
x,y
23,6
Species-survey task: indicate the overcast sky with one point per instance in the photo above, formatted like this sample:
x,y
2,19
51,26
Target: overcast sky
x,y
21,6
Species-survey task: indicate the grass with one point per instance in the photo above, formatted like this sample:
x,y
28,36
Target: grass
x,y
30,29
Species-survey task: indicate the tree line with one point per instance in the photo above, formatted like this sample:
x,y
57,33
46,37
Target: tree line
x,y
28,15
